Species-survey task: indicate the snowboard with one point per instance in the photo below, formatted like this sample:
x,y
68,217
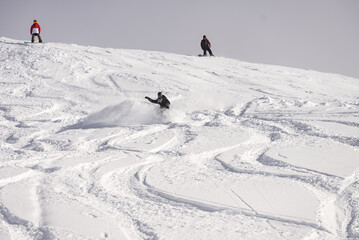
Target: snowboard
x,y
201,55
33,42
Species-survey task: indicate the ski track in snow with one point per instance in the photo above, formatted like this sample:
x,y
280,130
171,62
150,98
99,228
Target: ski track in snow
x,y
247,151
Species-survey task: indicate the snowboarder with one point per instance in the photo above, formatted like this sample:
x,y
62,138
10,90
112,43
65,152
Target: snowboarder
x,y
161,100
35,30
206,46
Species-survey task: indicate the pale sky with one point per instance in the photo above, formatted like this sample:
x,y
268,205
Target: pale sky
x,y
320,35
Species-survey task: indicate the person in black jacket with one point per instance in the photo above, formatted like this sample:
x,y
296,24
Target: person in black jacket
x,y
206,46
161,100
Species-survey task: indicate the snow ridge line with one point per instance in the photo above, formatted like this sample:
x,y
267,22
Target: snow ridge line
x,y
268,161
300,128
246,107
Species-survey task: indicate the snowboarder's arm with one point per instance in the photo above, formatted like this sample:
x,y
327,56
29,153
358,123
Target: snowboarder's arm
x,y
151,100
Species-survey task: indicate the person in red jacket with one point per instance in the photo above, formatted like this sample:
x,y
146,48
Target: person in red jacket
x,y
35,30
206,46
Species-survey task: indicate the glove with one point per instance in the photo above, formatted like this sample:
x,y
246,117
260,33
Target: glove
x,y
147,98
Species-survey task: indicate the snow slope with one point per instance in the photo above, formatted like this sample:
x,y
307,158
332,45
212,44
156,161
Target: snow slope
x,y
247,151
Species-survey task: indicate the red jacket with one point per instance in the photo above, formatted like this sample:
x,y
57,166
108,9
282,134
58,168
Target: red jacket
x,y
35,25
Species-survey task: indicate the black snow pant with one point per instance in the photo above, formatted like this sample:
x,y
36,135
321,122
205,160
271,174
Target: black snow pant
x,y
33,37
205,51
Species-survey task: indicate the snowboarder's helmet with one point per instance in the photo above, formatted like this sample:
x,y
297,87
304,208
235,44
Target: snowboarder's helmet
x,y
159,94
35,21
204,36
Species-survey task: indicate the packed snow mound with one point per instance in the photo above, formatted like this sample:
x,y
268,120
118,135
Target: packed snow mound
x,y
246,151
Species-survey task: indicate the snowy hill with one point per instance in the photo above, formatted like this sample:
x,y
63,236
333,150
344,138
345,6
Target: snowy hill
x,y
247,151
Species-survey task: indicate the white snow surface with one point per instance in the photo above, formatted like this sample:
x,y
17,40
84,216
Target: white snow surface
x,y
247,151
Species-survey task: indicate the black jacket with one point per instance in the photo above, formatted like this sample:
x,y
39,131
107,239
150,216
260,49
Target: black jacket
x,y
205,44
162,101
